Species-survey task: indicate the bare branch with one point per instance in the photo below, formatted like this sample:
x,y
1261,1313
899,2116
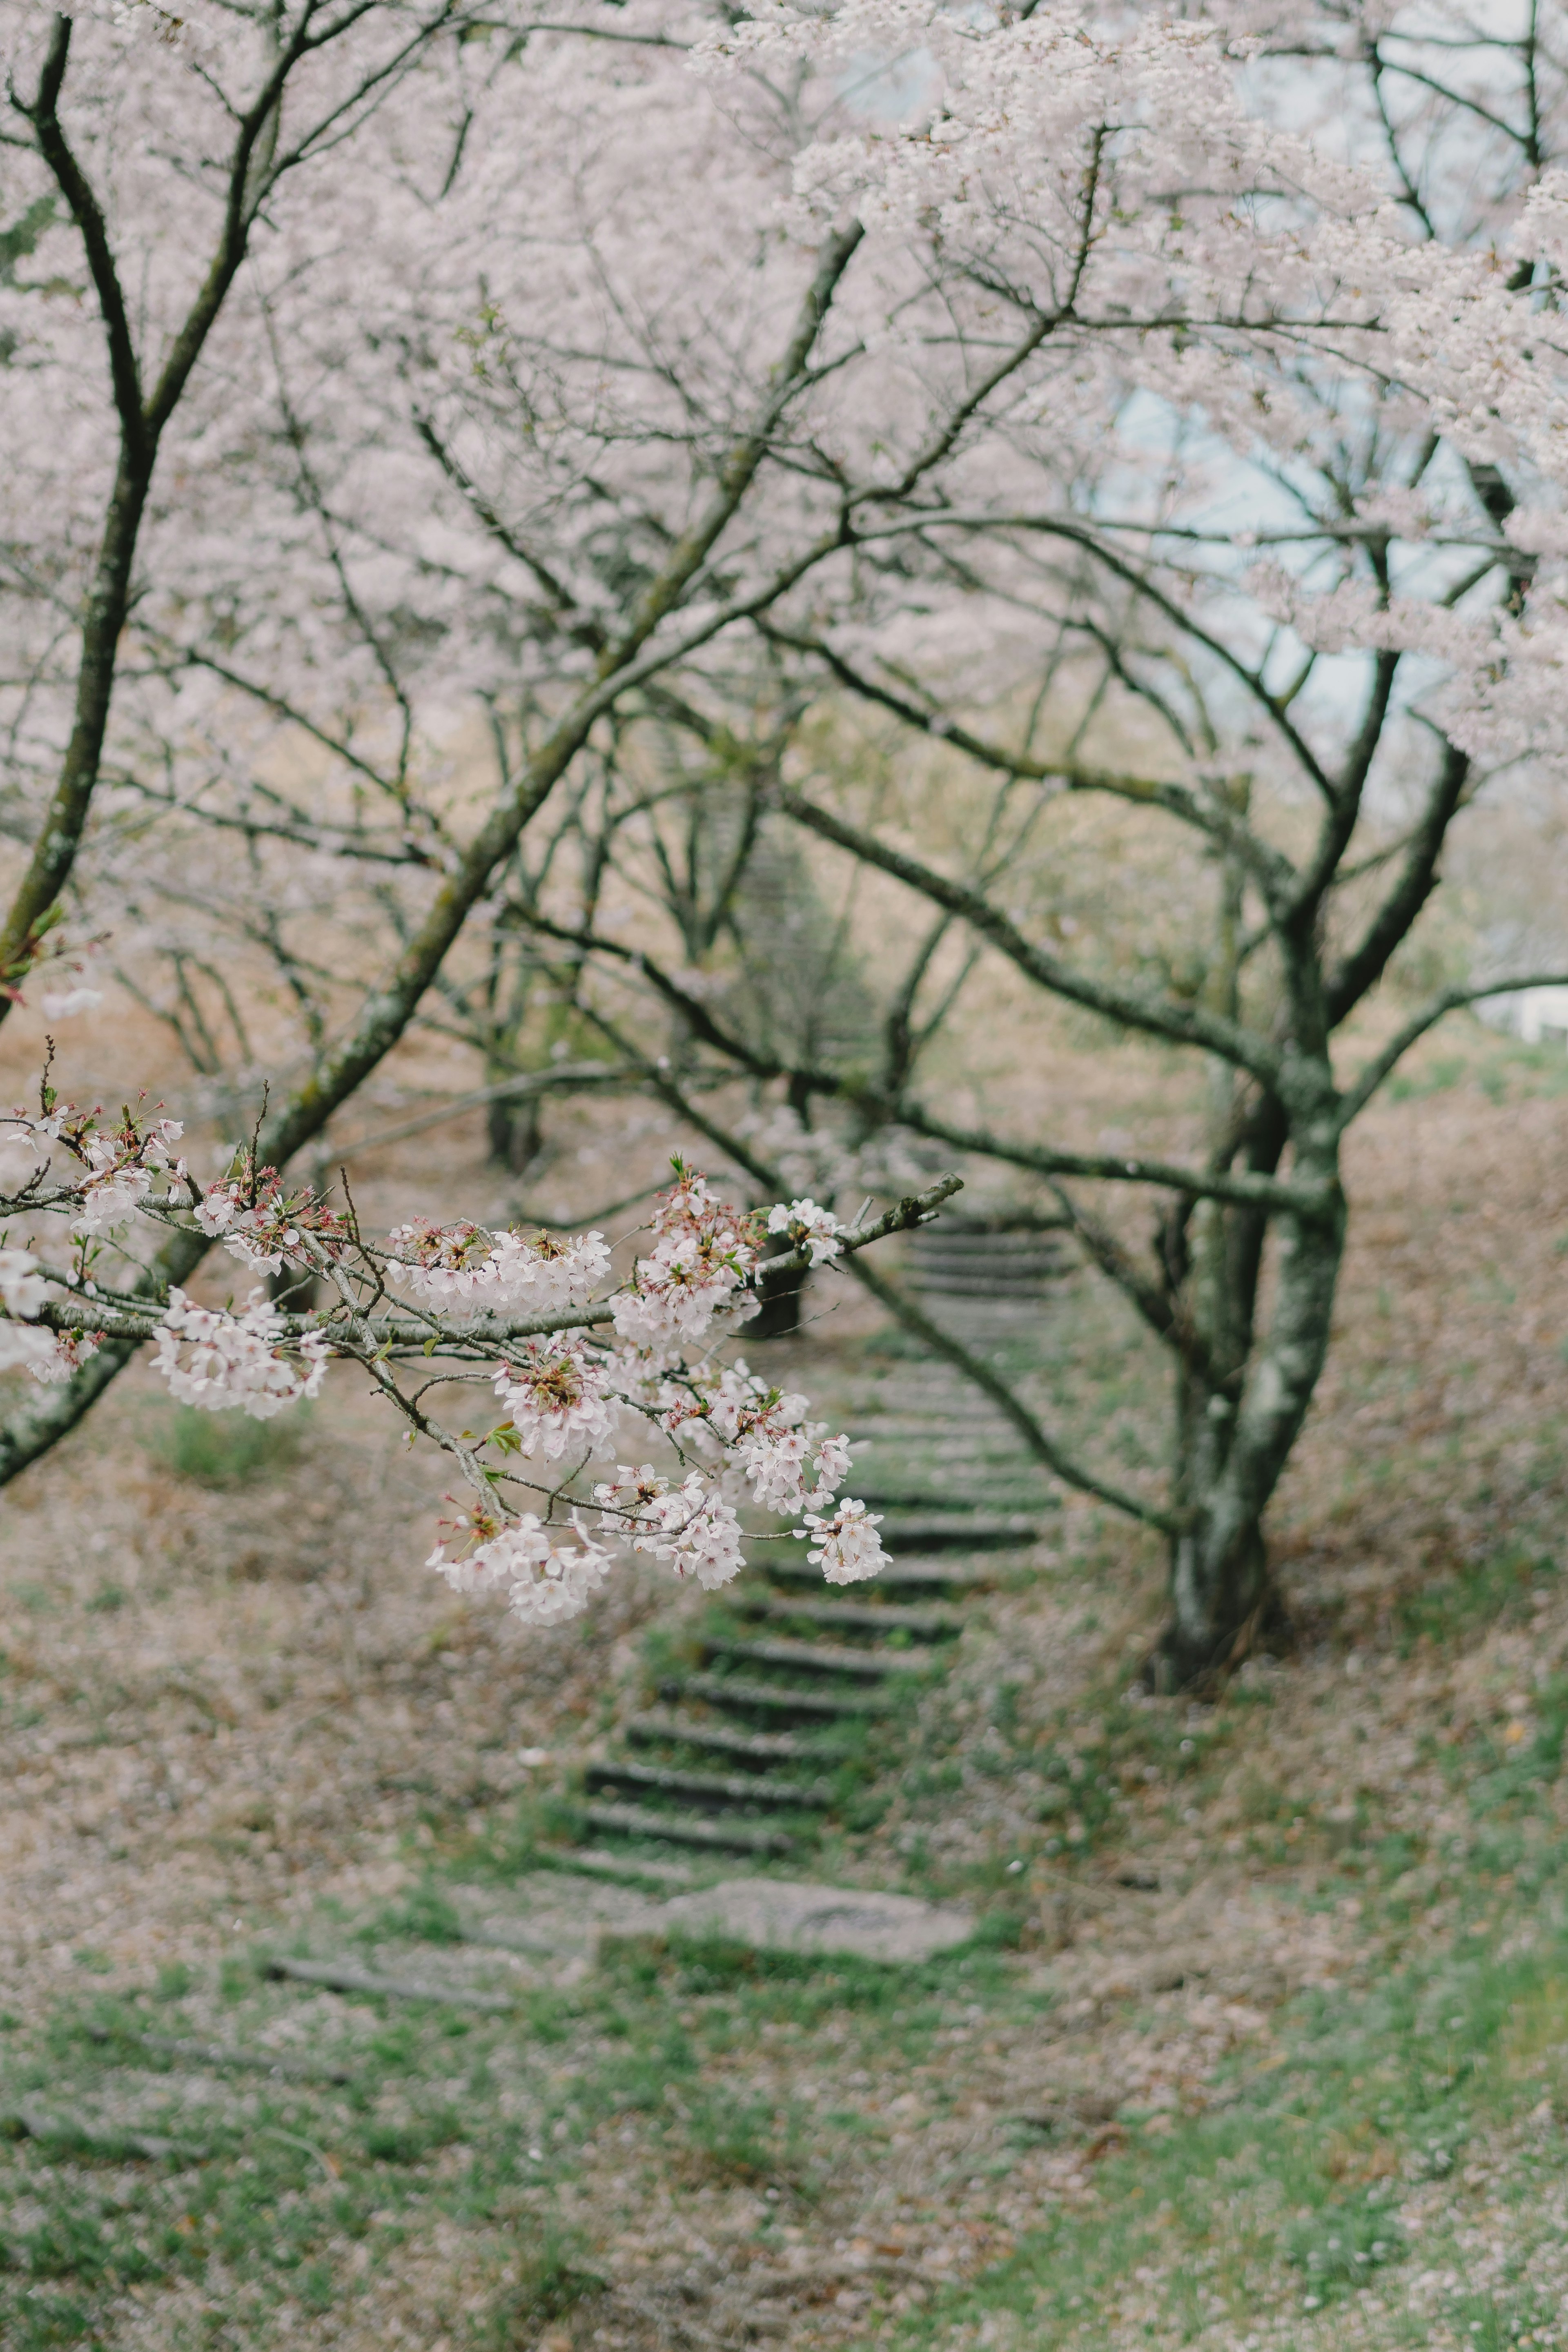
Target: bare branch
x,y
1044,1447
1450,1000
1154,1016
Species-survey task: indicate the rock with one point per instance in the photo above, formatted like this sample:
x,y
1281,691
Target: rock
x,y
794,1916
785,1914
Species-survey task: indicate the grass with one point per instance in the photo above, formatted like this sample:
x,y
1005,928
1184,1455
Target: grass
x,y
554,2277
1281,2197
1502,1068
1286,2198
300,2175
1454,1606
227,1450
1272,2193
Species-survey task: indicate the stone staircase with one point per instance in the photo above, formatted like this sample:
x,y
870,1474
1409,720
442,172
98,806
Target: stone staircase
x,y
754,1744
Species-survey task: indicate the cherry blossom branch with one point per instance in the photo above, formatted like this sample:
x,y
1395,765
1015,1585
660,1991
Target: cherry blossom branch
x,y
142,420
388,1011
565,1078
1242,1190
563,1378
1087,535
1045,1448
123,1314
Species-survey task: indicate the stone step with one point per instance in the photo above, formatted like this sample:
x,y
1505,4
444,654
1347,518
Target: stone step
x,y
942,1241
993,1271
904,1574
925,1624
937,1401
1034,1265
931,1433
613,1870
794,1916
1031,1257
705,1788
968,1477
930,1414
907,1495
762,1749
938,1241
962,1531
779,1698
684,1829
816,1657
347,1976
962,1283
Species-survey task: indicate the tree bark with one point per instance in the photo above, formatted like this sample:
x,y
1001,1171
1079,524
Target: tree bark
x,y
1230,1449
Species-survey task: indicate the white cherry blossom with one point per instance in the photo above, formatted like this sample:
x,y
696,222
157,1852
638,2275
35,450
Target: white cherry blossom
x,y
702,1256
544,1578
691,1525
847,1547
20,1159
445,1266
557,1397
24,1284
236,1363
24,1347
809,1228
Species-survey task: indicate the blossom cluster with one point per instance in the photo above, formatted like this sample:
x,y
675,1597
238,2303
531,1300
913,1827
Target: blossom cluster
x,y
123,1163
246,1363
111,1170
568,1393
543,1577
26,1346
728,1410
809,1228
697,1269
690,1525
557,1396
845,1546
262,1224
465,1268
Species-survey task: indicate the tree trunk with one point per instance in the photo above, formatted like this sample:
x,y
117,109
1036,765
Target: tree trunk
x,y
778,1318
1239,1408
1233,1440
516,1135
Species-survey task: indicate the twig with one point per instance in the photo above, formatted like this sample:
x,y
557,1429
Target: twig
x,y
31,2123
573,1076
340,1976
224,2053
915,1209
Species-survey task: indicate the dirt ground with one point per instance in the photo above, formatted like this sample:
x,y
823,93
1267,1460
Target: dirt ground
x,y
230,1709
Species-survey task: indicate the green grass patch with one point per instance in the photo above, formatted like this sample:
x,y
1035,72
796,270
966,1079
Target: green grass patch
x,y
1457,1605
555,2275
227,1450
1285,2196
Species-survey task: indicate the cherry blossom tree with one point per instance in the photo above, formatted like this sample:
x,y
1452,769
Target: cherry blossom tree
x,y
1324,561
1308,540
636,375
332,574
